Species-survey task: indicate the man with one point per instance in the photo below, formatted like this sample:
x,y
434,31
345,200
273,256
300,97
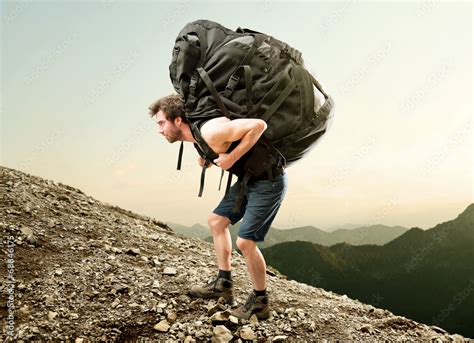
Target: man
x,y
260,206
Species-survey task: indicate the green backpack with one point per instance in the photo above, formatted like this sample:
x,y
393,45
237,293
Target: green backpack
x,y
248,74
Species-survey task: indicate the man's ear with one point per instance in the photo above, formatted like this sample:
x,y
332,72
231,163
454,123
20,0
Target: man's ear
x,y
178,121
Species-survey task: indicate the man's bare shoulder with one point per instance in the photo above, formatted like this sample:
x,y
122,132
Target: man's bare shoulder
x,y
212,133
210,128
222,130
214,123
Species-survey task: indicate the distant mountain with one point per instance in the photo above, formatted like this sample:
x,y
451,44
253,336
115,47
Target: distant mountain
x,y
423,274
375,234
347,226
197,230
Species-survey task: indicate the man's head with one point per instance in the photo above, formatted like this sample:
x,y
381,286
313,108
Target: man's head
x,y
169,112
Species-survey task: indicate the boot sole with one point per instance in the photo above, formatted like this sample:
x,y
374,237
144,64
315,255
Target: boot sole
x,y
263,315
229,301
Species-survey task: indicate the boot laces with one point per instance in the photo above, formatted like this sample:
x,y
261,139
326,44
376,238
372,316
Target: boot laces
x,y
251,300
212,282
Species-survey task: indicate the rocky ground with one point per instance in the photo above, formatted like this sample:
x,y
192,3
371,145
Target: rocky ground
x,y
85,270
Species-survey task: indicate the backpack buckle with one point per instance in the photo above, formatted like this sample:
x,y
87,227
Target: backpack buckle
x,y
231,84
192,83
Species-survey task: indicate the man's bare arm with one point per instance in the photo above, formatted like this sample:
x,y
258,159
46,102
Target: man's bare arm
x,y
248,131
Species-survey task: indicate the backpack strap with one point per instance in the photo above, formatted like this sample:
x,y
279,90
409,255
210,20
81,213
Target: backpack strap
x,y
317,84
204,151
180,155
229,181
210,85
277,87
220,180
241,192
234,80
279,100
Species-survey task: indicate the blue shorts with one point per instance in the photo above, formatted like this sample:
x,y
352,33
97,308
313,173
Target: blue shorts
x,y
259,207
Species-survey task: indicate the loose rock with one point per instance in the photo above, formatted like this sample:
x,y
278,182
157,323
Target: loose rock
x,y
162,326
221,334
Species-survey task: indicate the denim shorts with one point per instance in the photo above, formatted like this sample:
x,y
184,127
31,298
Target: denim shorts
x,y
259,207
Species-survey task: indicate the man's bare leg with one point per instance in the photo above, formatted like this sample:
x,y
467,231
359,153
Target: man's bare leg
x,y
222,286
255,262
219,226
257,302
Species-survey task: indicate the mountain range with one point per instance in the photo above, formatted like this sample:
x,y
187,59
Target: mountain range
x,y
424,274
373,234
197,230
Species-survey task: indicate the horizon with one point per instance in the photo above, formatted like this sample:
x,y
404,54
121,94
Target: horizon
x,y
77,78
335,228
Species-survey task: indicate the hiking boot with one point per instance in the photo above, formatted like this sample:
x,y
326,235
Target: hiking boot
x,y
257,305
216,288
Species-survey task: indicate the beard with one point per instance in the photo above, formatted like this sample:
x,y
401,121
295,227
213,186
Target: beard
x,y
173,135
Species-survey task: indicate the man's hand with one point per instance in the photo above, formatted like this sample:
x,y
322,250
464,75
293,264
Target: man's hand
x,y
225,161
201,162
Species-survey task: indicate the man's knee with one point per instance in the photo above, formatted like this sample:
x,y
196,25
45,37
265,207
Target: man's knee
x,y
245,245
217,222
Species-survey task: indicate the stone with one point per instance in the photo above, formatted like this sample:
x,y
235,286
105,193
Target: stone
x,y
213,309
162,326
133,251
24,310
154,236
221,316
169,271
48,300
115,303
119,289
366,328
172,316
26,231
247,333
253,319
279,338
221,334
52,315
438,329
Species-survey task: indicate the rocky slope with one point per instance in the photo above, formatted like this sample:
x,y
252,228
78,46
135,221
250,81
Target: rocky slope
x,y
88,270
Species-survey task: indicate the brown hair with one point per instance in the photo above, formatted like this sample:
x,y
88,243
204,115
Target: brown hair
x,y
172,105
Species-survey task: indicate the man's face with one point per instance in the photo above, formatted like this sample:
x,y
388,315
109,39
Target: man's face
x,y
167,128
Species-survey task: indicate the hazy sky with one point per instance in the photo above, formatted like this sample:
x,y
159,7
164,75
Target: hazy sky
x,y
77,78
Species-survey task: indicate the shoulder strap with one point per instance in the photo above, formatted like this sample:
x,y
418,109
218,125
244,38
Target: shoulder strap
x,y
203,149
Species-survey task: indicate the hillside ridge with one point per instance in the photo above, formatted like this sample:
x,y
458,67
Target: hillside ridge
x,y
85,269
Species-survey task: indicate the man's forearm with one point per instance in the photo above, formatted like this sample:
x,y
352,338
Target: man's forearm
x,y
247,142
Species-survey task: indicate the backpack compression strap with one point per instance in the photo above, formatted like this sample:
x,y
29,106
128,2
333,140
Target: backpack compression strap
x,y
234,79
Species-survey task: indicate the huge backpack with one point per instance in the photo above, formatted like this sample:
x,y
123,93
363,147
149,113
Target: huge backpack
x,y
248,74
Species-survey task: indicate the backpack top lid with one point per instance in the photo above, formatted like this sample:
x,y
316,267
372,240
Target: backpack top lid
x,y
196,43
207,34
